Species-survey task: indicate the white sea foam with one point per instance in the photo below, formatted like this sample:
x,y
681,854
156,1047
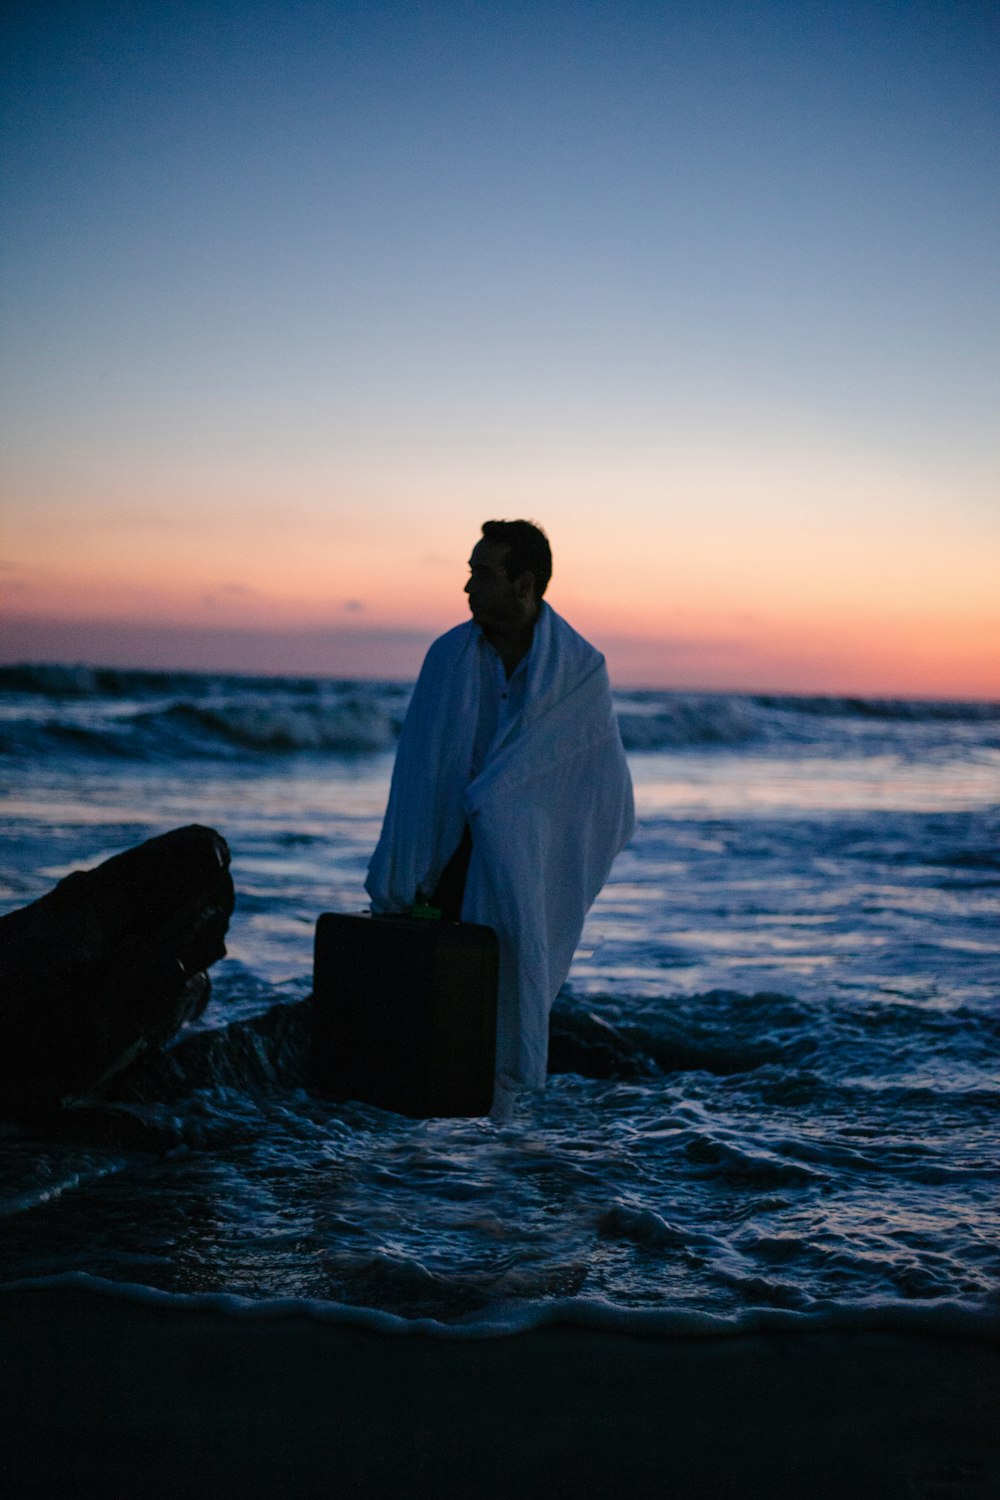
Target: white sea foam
x,y
774,1065
944,1317
154,715
354,725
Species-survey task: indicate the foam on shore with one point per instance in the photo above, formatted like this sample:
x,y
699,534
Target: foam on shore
x,y
941,1317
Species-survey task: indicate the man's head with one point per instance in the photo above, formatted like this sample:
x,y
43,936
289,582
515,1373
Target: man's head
x,y
509,572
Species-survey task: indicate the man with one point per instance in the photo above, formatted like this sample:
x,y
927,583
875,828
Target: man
x,y
510,795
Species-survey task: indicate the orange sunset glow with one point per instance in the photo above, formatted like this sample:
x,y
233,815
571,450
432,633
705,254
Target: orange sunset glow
x,y
744,374
785,595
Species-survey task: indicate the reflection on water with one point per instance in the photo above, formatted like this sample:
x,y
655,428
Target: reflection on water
x,y
799,950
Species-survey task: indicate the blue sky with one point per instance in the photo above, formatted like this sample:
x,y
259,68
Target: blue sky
x,y
295,295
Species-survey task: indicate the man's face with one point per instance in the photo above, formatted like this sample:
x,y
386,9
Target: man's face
x,y
493,599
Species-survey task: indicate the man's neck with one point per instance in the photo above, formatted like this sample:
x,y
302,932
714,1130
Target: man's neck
x,y
513,643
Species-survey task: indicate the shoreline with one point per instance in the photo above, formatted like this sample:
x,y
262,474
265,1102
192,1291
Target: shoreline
x,y
101,1394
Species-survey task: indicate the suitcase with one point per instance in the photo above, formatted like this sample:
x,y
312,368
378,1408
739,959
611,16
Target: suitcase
x,y
405,1013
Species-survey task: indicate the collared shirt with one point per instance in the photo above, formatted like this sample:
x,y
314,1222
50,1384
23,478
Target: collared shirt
x,y
501,699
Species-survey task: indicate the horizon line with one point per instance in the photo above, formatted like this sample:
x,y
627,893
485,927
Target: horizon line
x,y
172,649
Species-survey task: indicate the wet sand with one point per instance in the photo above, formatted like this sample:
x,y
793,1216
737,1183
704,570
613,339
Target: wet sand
x,y
106,1395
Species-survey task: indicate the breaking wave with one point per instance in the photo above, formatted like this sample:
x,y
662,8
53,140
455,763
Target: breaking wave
x,y
108,712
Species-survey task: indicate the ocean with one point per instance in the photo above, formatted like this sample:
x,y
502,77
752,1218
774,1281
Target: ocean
x,y
783,1017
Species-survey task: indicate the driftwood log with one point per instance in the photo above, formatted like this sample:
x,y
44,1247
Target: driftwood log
x,y
108,962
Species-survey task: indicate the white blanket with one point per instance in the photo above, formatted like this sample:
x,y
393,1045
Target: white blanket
x,y
549,811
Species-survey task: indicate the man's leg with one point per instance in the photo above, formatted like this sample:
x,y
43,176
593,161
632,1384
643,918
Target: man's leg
x,y
450,889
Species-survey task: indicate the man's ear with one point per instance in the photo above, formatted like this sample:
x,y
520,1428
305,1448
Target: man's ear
x,y
525,585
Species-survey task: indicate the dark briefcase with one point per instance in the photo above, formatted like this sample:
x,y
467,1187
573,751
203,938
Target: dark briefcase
x,y
405,1013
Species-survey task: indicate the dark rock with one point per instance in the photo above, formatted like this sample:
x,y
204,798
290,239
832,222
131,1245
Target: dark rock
x,y
117,1128
581,1042
252,1055
110,961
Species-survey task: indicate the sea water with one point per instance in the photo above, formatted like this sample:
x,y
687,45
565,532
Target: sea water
x,y
797,960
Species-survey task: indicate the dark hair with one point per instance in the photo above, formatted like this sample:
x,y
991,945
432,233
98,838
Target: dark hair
x,y
528,550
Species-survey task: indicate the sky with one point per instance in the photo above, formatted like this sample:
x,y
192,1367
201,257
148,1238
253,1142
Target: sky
x,y
293,296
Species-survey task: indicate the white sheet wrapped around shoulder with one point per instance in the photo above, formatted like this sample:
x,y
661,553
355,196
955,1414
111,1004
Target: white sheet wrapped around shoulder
x,y
549,811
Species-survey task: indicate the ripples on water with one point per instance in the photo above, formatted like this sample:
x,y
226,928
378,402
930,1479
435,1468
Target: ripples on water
x,y
797,958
